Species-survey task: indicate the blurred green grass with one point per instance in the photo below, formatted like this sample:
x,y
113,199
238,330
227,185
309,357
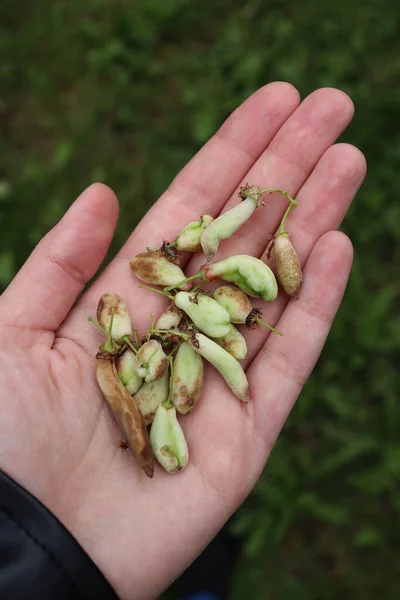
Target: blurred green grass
x,y
126,93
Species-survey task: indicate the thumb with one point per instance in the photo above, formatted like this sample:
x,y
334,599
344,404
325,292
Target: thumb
x,y
43,292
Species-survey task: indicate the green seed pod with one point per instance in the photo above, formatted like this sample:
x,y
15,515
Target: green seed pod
x,y
150,361
154,268
127,373
230,369
122,324
226,225
234,301
250,274
188,379
234,343
188,239
170,318
205,312
167,440
151,395
287,265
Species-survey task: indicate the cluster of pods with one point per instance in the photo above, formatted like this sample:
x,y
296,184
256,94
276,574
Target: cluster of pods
x,y
147,383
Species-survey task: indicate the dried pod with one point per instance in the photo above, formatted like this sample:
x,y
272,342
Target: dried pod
x,y
151,362
169,251
234,301
187,380
154,268
205,312
230,369
170,318
167,440
287,265
126,370
250,274
234,343
122,325
188,238
151,395
226,225
127,414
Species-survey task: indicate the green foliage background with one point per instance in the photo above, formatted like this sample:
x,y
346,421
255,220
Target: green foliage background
x,y
125,93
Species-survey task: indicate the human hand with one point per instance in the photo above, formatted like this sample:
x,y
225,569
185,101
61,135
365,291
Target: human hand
x,y
58,438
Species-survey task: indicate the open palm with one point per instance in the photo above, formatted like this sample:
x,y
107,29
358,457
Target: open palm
x,y
59,439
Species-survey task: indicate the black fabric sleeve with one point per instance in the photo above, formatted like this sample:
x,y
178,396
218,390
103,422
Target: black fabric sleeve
x,y
39,558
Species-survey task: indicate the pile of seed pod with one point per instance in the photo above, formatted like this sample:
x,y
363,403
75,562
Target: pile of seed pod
x,y
147,383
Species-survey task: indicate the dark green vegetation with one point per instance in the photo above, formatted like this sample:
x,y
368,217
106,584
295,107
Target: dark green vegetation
x,y
97,90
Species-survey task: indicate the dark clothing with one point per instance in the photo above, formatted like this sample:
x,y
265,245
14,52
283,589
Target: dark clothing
x,y
39,558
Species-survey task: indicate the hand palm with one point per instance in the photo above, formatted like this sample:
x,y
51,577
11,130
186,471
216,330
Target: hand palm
x,y
58,436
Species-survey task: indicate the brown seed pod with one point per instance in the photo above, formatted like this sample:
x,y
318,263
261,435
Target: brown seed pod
x,y
170,318
287,265
127,414
155,269
122,325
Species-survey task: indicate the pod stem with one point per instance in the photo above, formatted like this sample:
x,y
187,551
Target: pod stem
x,y
192,278
98,325
292,203
185,336
128,341
173,351
171,245
196,288
164,293
269,327
135,335
168,403
109,345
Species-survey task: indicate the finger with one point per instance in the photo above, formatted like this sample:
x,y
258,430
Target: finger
x,y
323,202
42,293
283,365
287,163
207,181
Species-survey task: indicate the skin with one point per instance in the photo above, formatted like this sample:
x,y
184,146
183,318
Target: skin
x,y
57,437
